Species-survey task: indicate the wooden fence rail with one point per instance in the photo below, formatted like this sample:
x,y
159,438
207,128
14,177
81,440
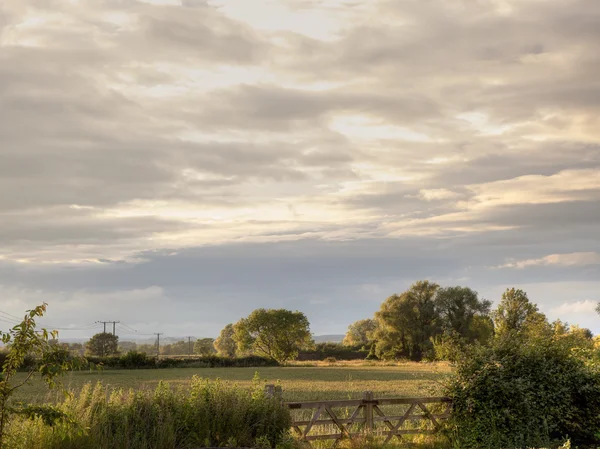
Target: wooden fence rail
x,y
365,414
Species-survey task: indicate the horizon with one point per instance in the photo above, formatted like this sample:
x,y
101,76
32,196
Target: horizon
x,y
174,165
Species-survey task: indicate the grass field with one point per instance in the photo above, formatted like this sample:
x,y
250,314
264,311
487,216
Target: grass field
x,y
299,383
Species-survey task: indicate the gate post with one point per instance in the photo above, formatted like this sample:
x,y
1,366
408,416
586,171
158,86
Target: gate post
x,y
368,403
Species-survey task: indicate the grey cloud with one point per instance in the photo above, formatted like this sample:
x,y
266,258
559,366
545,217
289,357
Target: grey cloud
x,y
95,116
210,281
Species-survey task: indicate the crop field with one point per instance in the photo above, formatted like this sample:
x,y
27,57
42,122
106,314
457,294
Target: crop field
x,y
299,383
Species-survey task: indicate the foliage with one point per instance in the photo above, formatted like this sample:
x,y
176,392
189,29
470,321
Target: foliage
x,y
102,344
516,315
207,414
225,344
411,324
360,333
205,346
140,360
134,359
407,322
127,346
275,333
524,391
24,341
339,351
461,311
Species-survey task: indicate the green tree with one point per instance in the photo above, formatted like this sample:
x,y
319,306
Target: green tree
x,y
51,361
517,316
275,333
461,312
103,344
360,333
127,346
407,323
225,344
204,346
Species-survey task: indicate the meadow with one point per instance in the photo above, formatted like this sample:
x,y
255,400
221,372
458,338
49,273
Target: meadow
x,y
299,382
342,380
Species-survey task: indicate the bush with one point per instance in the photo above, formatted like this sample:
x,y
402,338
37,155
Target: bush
x,y
140,360
207,414
134,359
335,350
516,394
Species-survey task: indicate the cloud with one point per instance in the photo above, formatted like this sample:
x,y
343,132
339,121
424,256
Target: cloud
x,y
565,260
426,138
576,307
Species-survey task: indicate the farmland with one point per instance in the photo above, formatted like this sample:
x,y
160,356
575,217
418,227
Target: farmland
x,y
336,381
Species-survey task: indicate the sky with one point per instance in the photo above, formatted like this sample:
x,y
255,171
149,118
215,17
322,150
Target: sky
x,y
174,165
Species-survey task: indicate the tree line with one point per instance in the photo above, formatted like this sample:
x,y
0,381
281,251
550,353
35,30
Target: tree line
x,y
427,321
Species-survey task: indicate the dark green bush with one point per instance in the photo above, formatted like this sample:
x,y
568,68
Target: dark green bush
x,y
134,359
517,394
138,360
338,351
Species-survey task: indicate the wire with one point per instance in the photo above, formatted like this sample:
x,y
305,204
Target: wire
x,y
128,328
10,317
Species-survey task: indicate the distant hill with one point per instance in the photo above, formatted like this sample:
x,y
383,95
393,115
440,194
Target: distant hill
x,y
334,338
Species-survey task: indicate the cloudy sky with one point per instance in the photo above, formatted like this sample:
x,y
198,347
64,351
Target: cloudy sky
x,y
176,164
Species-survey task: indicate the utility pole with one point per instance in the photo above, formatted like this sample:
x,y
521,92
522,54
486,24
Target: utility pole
x,y
158,334
106,322
190,345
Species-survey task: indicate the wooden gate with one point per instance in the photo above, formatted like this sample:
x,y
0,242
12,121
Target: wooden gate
x,y
366,416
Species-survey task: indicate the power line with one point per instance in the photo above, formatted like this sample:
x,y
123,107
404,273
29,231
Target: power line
x,y
129,329
114,323
10,316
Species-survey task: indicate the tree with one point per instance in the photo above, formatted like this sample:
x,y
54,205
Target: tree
x,y
225,344
103,344
275,333
407,322
461,312
360,333
51,361
204,346
127,346
516,315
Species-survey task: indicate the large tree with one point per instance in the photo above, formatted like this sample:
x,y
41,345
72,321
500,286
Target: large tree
x,y
204,346
360,333
275,333
516,316
407,322
462,313
225,344
103,344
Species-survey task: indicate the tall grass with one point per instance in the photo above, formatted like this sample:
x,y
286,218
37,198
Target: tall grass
x,y
204,414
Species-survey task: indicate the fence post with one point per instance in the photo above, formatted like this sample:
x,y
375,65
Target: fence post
x,y
274,391
368,399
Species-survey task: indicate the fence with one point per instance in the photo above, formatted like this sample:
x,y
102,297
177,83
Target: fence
x,y
366,414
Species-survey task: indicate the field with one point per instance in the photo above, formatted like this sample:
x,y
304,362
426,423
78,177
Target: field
x,y
299,383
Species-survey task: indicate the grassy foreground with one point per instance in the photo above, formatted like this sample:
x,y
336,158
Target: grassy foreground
x,y
299,383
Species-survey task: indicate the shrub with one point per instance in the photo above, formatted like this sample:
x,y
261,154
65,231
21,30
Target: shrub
x,y
207,414
138,360
134,359
337,350
518,393
330,359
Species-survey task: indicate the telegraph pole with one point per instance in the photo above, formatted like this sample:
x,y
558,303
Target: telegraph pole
x,y
190,345
106,322
158,334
